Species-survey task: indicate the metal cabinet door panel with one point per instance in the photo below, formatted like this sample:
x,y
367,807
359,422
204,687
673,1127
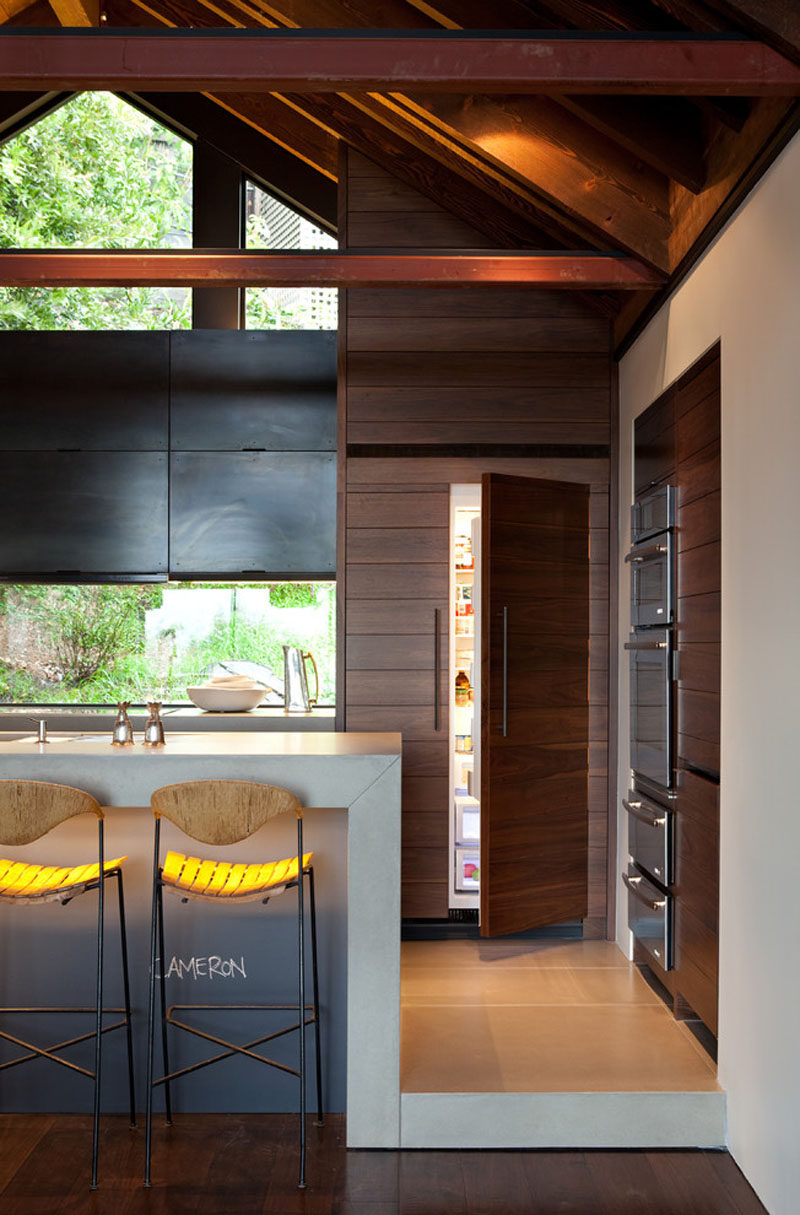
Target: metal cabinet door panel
x,y
84,513
265,513
87,391
243,391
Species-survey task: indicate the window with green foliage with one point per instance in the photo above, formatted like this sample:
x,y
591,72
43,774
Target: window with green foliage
x,y
98,644
95,173
273,225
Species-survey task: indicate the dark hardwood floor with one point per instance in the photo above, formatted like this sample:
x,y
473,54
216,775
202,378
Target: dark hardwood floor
x,y
246,1165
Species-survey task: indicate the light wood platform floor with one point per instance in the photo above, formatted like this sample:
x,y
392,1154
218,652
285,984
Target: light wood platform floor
x,y
539,1016
246,1165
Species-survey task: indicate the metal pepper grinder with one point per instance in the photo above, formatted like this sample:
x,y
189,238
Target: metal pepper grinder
x,y
154,726
122,735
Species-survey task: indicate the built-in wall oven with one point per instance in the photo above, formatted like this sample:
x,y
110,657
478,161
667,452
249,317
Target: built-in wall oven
x,y
651,654
651,644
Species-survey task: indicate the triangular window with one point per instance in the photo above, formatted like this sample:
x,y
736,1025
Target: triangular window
x,y
95,173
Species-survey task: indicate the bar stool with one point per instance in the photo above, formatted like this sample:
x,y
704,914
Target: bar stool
x,y
29,810
220,813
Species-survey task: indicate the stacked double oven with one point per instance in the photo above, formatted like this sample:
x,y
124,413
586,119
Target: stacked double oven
x,y
653,662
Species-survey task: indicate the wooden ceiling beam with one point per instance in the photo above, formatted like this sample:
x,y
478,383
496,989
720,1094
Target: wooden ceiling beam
x,y
229,268
265,60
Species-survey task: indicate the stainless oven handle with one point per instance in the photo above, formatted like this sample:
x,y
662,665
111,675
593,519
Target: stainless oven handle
x,y
653,904
638,811
646,645
636,556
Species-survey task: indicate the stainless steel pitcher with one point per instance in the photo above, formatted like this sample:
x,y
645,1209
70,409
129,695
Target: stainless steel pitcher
x,y
295,681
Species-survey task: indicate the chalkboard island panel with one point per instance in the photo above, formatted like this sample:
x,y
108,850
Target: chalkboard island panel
x,y
351,786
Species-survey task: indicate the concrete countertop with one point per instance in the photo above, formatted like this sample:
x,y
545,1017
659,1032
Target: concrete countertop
x,y
212,744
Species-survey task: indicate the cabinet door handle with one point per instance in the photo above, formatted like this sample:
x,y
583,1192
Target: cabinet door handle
x,y
505,672
437,660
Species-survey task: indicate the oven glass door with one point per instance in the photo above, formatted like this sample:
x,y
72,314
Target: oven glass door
x,y
653,514
651,705
651,583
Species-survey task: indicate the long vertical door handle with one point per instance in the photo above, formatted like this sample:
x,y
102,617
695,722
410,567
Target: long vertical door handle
x,y
505,672
437,662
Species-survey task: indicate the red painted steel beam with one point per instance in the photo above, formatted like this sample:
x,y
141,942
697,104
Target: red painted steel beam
x,y
296,61
226,268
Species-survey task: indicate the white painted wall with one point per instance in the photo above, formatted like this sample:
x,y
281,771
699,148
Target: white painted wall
x,y
746,292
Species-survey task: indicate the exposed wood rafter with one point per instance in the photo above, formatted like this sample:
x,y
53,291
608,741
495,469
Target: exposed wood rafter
x,y
441,60
78,13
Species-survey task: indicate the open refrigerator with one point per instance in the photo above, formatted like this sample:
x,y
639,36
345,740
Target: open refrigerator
x,y
464,750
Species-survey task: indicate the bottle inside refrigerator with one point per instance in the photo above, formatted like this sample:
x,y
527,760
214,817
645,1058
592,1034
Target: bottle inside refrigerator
x,y
464,626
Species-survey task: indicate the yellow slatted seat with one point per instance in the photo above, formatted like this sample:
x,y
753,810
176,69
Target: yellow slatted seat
x,y
31,882
222,813
222,880
29,810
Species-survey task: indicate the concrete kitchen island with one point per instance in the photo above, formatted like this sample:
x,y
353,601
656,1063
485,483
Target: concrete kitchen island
x,y
352,775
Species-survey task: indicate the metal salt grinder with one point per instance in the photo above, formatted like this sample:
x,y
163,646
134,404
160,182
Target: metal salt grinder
x,y
154,726
122,735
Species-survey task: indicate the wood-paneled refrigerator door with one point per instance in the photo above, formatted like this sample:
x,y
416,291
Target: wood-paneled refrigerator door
x,y
534,712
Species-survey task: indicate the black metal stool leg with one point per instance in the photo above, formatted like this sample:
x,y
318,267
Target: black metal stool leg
x,y
99,1016
301,1001
123,936
163,994
151,1001
315,981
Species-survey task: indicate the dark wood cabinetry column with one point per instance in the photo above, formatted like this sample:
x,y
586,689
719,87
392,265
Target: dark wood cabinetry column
x,y
217,223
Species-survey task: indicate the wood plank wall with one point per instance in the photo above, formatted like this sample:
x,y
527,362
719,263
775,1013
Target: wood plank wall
x,y
437,387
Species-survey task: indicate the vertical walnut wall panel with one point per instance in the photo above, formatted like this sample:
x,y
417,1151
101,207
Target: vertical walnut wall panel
x,y
438,387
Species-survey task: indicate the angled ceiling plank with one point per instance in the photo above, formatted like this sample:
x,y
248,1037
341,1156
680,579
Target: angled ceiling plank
x,y
11,8
281,172
664,132
225,268
77,12
731,161
415,155
21,110
776,22
557,158
472,14
439,60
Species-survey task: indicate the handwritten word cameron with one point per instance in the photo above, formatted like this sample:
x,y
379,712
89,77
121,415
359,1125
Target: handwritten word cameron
x,y
212,967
